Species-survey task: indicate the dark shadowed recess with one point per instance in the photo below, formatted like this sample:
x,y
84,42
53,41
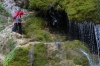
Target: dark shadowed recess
x,y
58,21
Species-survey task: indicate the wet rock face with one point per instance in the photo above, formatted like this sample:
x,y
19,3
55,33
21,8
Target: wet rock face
x,y
83,32
57,19
11,6
80,31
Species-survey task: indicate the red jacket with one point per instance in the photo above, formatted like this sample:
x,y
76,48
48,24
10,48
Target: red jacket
x,y
19,14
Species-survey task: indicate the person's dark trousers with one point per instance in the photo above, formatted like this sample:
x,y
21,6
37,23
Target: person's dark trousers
x,y
17,26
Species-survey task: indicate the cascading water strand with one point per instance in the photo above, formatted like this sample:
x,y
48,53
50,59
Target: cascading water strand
x,y
97,35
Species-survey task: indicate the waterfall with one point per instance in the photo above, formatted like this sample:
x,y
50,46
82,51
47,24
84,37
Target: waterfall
x,y
97,34
90,59
86,32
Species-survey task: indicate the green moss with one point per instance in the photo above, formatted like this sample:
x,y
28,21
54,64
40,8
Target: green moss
x,y
35,28
42,35
10,57
73,52
76,9
57,59
40,55
21,58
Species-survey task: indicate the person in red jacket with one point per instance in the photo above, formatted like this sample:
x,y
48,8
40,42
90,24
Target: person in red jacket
x,y
17,25
17,21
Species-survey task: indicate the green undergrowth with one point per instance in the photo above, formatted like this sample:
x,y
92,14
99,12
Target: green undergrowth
x,y
40,58
10,57
43,54
3,11
77,10
17,57
8,47
73,52
34,28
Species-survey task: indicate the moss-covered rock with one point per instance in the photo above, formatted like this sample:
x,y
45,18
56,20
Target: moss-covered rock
x,y
76,10
69,53
10,57
73,52
17,57
35,28
40,58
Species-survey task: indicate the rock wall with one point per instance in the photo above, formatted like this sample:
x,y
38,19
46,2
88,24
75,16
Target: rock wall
x,y
4,36
11,7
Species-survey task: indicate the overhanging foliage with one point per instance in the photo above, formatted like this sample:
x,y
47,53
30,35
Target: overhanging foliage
x,y
76,9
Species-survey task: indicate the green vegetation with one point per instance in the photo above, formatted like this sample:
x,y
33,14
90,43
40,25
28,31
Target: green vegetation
x,y
73,52
11,44
20,58
8,47
97,12
79,10
3,11
40,55
10,57
76,9
70,54
3,20
42,5
34,28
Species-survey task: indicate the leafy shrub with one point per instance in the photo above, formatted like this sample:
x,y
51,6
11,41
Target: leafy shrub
x,y
42,5
39,38
76,10
35,28
42,35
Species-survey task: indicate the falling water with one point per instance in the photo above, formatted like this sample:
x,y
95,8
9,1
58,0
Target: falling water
x,y
97,34
90,59
86,32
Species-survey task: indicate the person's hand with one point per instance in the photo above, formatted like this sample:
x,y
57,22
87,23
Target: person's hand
x,y
31,12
